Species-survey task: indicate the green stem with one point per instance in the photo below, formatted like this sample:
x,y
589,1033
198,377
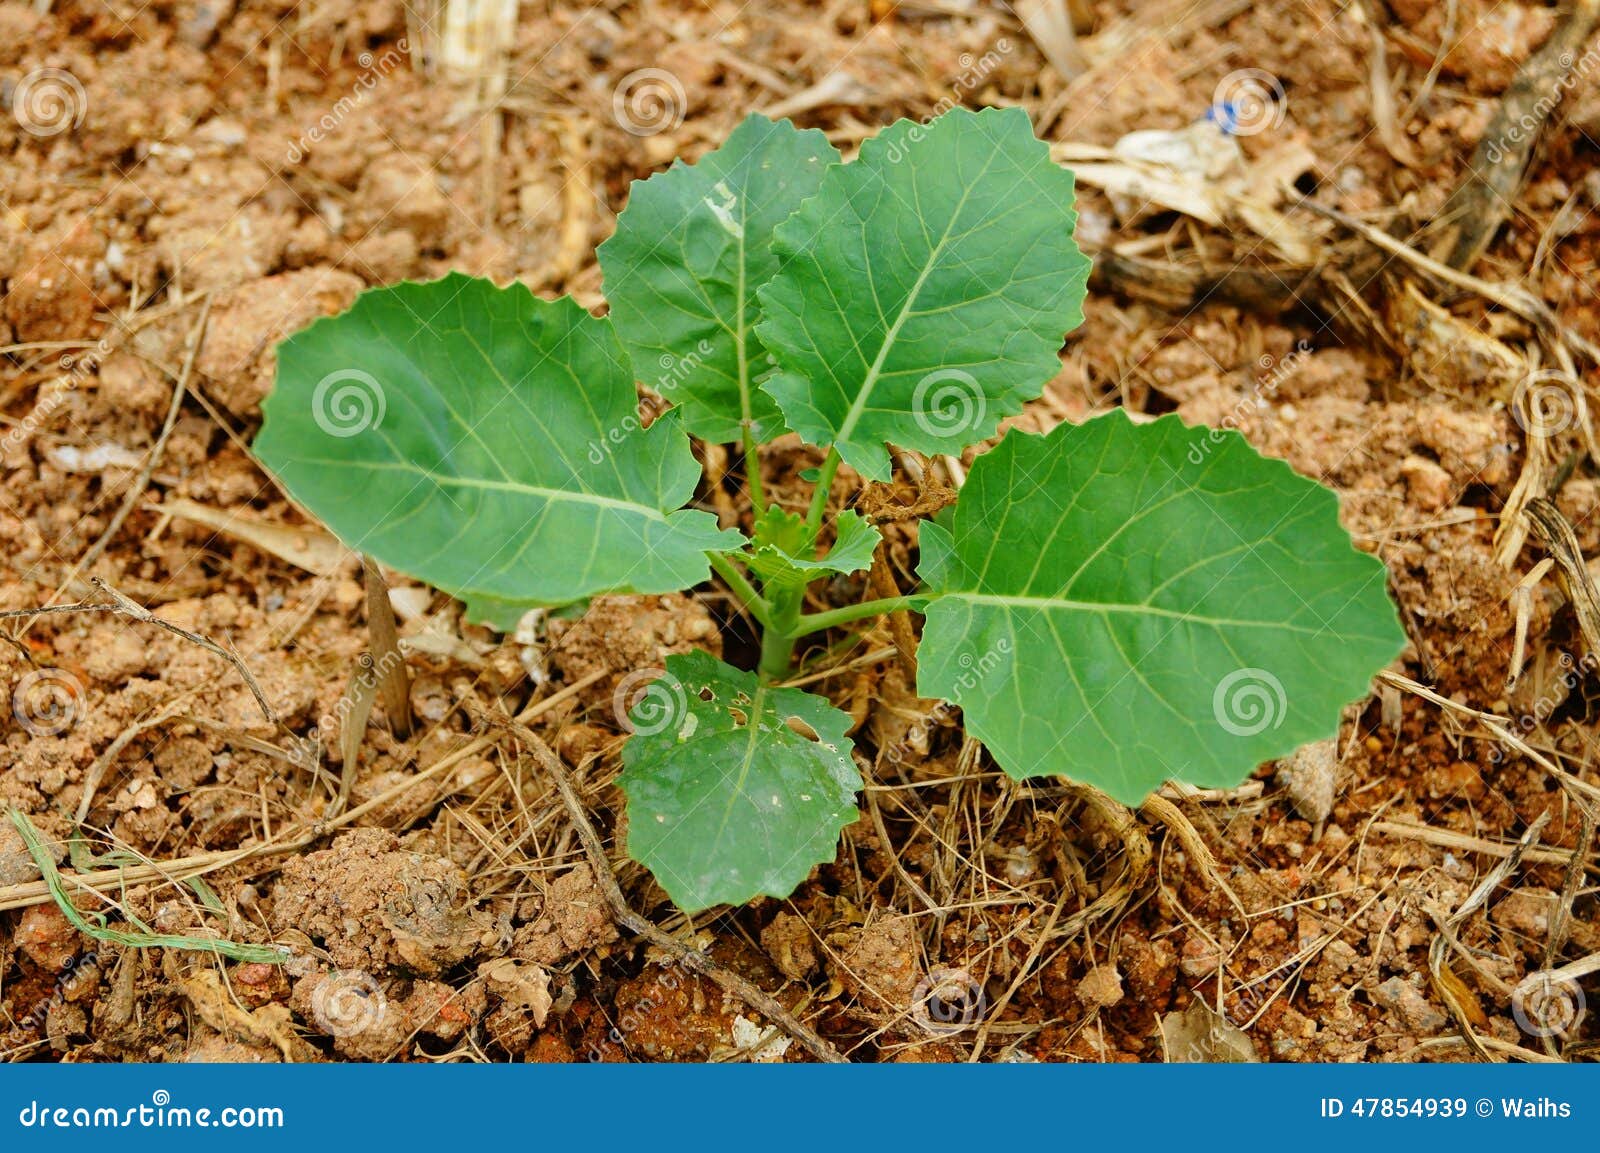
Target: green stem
x,y
819,498
778,636
752,472
816,622
743,589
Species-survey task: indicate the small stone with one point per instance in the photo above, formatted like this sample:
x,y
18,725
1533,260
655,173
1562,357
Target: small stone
x,y
1101,987
1427,482
128,384
384,257
46,936
1310,776
1525,914
16,864
789,942
239,354
1412,1007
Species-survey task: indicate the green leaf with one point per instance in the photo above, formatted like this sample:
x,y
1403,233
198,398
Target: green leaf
x,y
925,290
488,442
783,551
735,788
1126,604
682,269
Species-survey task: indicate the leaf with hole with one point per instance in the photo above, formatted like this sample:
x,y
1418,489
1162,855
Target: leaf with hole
x,y
1127,604
488,442
735,788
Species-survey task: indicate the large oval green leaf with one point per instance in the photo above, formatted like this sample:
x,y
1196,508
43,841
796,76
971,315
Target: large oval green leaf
x,y
735,788
682,269
488,442
1127,604
925,290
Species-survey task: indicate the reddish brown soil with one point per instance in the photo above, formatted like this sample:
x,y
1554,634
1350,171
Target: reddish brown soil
x,y
273,160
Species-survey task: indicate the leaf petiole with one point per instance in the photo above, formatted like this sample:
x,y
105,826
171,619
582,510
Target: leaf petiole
x,y
816,622
752,471
758,605
819,498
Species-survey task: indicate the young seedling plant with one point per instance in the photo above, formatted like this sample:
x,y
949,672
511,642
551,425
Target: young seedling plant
x,y
1119,602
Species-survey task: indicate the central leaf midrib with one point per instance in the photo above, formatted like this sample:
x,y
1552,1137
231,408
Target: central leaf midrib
x,y
757,705
853,416
743,355
1045,604
445,480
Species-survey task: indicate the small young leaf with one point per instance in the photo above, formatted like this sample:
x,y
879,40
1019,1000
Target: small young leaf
x,y
488,442
782,553
925,290
682,269
1126,604
734,788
